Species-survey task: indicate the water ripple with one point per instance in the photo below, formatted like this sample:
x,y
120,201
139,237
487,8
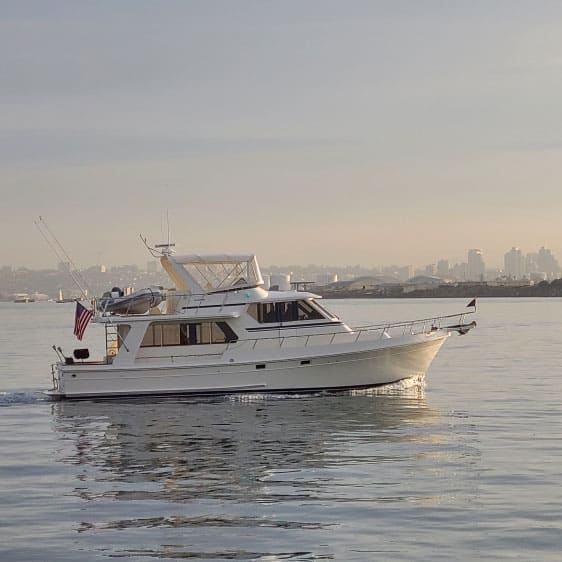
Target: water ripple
x,y
21,397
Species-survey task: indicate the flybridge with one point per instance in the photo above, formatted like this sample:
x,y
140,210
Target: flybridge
x,y
213,273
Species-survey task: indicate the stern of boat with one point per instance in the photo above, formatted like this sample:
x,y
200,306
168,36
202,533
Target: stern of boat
x,y
55,393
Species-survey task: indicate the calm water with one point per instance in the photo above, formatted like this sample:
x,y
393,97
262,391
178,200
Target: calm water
x,y
466,468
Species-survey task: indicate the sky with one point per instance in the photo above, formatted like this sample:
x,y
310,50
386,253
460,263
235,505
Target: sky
x,y
306,131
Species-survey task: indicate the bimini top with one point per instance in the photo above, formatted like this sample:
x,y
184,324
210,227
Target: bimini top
x,y
213,273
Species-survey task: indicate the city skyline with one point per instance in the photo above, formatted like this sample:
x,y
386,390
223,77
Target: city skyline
x,y
324,132
519,270
515,263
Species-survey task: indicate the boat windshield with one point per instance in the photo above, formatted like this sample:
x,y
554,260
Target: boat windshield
x,y
287,311
323,309
216,273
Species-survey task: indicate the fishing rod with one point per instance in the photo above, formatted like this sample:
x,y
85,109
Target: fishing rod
x,y
58,249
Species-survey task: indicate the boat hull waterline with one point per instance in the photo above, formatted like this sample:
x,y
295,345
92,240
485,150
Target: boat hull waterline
x,y
353,369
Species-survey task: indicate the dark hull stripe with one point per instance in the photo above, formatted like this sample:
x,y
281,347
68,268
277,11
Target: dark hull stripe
x,y
294,327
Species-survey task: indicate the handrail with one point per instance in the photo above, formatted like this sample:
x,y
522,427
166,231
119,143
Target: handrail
x,y
428,325
432,319
425,325
193,299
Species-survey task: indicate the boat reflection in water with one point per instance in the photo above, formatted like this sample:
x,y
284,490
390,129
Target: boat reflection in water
x,y
230,447
243,461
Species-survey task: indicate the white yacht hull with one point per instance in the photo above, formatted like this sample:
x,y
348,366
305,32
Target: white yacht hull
x,y
304,369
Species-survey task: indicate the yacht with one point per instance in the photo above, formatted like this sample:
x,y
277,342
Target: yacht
x,y
219,330
23,298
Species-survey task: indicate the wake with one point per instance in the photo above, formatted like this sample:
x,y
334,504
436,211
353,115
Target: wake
x,y
15,397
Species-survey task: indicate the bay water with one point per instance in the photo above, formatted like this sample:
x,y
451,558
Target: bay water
x,y
466,465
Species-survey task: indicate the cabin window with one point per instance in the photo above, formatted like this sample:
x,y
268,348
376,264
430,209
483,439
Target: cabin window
x,y
290,311
223,333
148,339
263,312
325,312
193,333
122,332
287,311
306,311
170,334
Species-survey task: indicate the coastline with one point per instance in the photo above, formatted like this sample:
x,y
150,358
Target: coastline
x,y
460,290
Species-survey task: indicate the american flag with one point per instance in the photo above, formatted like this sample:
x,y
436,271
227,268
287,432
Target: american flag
x,y
81,319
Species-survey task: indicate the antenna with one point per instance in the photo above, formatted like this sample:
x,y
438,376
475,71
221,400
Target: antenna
x,y
168,222
159,250
57,248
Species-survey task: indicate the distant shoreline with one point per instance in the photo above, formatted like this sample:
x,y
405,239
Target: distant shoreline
x,y
464,290
453,290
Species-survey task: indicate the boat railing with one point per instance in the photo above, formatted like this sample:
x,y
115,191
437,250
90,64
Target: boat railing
x,y
344,335
192,301
451,322
55,377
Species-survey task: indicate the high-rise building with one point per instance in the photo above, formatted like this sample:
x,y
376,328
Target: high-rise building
x,y
443,268
459,271
475,268
431,269
514,264
546,262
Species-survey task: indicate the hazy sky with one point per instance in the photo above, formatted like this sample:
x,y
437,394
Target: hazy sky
x,y
309,131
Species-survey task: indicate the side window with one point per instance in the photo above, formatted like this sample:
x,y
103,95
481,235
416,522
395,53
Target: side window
x,y
195,333
148,339
184,334
157,331
204,332
307,312
325,312
158,334
267,312
263,312
170,334
287,311
221,332
122,332
253,311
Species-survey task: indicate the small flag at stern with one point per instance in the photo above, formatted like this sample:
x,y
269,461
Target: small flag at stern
x,y
471,303
81,319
